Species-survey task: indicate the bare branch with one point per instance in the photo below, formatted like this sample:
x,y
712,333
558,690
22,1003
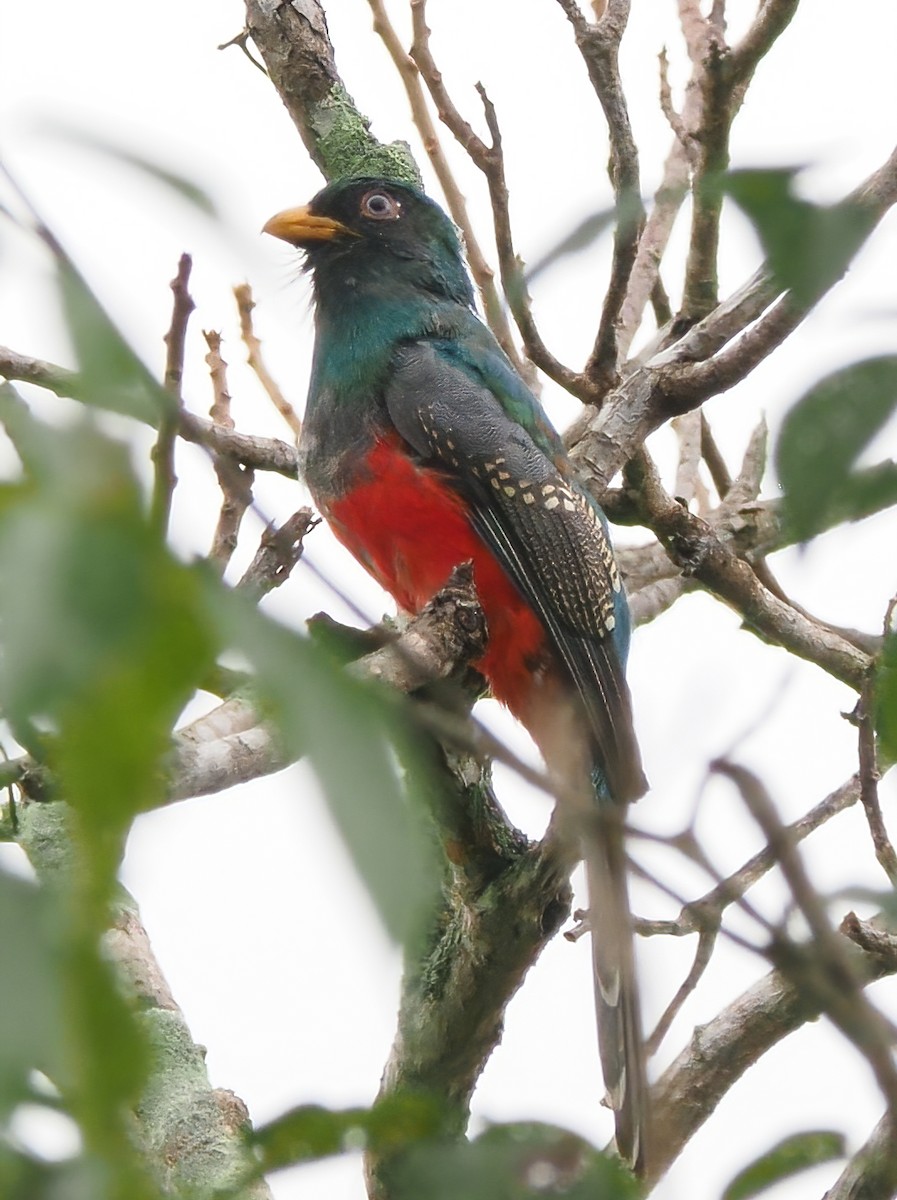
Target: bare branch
x,y
483,275
706,912
771,21
829,973
712,456
234,479
703,954
688,432
220,407
279,551
650,601
599,45
165,479
257,453
256,360
721,1051
723,78
262,454
490,161
692,543
869,772
59,380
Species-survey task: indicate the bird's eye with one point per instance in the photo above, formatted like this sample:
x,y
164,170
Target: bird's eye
x,y
380,206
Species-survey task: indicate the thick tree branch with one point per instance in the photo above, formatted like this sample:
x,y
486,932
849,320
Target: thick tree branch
x,y
453,1004
233,745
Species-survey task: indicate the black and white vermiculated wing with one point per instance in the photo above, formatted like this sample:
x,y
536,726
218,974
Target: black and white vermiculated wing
x,y
544,531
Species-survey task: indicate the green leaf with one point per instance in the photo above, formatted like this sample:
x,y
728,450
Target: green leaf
x,y
100,143
31,1031
523,1161
885,714
792,1155
822,437
808,246
345,727
104,631
111,375
312,1132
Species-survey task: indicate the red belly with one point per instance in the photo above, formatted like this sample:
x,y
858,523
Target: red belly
x,y
409,530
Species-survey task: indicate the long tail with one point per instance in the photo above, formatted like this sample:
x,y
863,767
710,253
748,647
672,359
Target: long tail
x,y
616,988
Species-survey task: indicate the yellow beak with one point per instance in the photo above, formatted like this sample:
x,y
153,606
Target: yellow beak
x,y
299,227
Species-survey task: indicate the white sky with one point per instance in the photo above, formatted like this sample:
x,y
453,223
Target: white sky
x,y
266,937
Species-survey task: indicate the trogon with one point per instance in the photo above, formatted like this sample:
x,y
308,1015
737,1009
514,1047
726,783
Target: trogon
x,y
424,449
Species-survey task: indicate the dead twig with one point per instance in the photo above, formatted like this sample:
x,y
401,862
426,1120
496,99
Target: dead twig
x,y
599,45
828,972
720,1052
256,360
279,551
234,479
165,480
703,953
706,912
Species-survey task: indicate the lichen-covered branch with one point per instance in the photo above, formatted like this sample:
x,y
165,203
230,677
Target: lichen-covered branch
x,y
192,1135
294,42
454,1000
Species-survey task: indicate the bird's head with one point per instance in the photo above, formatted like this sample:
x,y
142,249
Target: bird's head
x,y
376,235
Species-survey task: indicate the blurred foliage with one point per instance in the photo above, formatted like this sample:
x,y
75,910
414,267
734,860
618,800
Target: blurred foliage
x,y
821,440
522,1161
312,1132
791,1156
807,246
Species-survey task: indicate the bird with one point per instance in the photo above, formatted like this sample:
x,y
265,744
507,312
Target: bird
x,y
424,448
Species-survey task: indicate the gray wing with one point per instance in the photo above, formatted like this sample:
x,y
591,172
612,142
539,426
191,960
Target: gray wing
x,y
544,531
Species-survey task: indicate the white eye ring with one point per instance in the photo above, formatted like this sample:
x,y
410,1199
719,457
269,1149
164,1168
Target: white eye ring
x,y
377,205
